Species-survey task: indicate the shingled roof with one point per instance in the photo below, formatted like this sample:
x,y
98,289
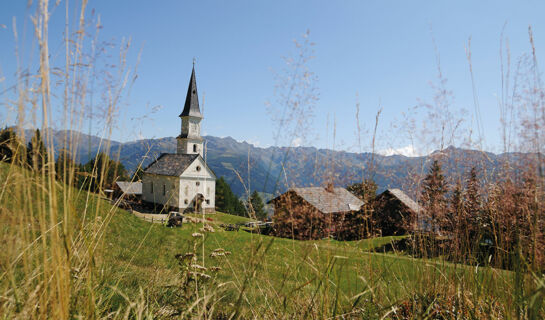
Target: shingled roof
x,y
339,200
191,107
130,187
401,196
169,164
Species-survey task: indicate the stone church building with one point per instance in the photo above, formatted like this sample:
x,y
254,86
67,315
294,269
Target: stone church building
x,y
183,180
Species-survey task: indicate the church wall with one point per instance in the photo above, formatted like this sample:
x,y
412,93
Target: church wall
x,y
189,190
198,173
165,189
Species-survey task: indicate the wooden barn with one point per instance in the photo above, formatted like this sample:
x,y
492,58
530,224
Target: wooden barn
x,y
310,213
395,213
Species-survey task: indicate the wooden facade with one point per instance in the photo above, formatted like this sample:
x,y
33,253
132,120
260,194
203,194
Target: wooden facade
x,y
395,213
312,213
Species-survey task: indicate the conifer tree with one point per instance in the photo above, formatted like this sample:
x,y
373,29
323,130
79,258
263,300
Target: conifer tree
x,y
222,195
10,145
104,171
434,191
138,174
258,206
36,152
359,224
472,201
226,200
65,168
457,223
365,191
455,213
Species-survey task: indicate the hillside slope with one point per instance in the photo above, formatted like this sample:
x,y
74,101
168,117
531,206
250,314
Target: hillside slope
x,y
107,262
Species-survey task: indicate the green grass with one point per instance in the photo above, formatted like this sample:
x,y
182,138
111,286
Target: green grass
x,y
289,270
135,261
222,218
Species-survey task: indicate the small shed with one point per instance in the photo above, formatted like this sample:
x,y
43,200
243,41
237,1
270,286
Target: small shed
x,y
128,189
395,213
310,213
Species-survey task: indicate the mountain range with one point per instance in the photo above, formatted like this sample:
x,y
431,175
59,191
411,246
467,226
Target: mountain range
x,y
274,169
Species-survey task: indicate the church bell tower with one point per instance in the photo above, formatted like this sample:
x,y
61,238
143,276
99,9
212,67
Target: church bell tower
x,y
190,140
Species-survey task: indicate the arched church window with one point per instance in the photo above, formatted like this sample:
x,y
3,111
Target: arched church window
x,y
185,201
198,183
194,148
198,168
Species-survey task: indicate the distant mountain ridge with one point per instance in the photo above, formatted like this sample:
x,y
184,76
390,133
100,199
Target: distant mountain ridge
x,y
274,169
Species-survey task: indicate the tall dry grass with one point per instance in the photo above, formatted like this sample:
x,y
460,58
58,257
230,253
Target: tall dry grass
x,y
52,262
51,230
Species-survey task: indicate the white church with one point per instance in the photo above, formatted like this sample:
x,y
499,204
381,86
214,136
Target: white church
x,y
183,180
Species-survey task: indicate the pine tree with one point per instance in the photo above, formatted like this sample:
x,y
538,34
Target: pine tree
x,y
10,146
457,223
434,201
365,191
103,172
258,206
472,199
221,195
455,213
358,225
36,153
239,208
65,168
138,174
226,200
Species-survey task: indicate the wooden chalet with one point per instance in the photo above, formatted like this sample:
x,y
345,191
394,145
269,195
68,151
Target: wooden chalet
x,y
310,213
395,213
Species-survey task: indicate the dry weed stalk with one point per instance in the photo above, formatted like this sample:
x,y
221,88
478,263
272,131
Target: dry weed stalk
x,y
51,268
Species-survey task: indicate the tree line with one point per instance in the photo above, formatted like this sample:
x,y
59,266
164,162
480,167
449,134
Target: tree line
x,y
102,172
228,202
500,223
98,173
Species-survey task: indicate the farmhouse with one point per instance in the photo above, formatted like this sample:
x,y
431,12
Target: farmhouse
x,y
183,180
395,213
310,213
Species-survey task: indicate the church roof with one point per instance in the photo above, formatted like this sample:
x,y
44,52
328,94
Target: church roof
x,y
170,164
191,106
336,200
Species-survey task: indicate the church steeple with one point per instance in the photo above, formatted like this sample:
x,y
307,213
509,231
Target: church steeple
x,y
190,140
191,106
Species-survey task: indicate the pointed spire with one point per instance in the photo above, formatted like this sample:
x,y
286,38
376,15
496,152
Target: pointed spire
x,y
191,107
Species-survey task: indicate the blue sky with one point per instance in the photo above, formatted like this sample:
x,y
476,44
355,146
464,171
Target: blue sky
x,y
381,51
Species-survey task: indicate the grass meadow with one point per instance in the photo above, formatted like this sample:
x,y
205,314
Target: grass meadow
x,y
132,271
66,252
